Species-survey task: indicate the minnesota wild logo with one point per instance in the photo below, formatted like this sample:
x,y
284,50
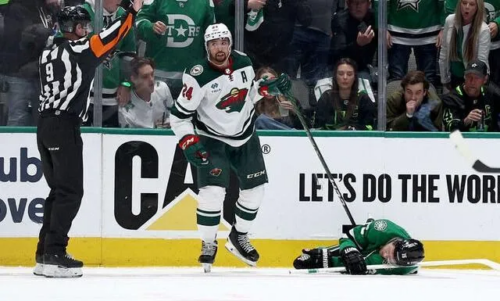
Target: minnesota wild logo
x,y
234,101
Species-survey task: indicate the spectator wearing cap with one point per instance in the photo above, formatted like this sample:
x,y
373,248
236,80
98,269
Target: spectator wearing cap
x,y
473,106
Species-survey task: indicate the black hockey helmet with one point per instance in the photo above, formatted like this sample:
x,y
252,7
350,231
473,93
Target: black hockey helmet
x,y
70,16
408,252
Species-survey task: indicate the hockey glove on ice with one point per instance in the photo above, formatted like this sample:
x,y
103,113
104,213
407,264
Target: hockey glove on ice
x,y
353,261
193,150
276,86
314,259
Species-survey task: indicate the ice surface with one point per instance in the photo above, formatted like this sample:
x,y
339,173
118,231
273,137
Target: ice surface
x,y
252,284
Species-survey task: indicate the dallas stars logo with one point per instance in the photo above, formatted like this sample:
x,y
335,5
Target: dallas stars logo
x,y
181,31
413,4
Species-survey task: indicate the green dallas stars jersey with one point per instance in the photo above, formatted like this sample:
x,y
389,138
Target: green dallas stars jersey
x,y
491,14
182,44
111,71
219,104
371,237
414,22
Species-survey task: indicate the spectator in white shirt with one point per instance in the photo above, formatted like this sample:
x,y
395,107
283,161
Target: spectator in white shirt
x,y
150,103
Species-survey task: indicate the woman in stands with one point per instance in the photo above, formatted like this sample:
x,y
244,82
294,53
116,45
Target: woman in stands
x,y
343,107
466,37
274,112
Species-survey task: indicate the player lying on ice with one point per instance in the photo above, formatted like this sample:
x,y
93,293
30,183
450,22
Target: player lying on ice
x,y
377,242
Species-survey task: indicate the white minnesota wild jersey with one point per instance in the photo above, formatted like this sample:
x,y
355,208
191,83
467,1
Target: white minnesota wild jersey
x,y
217,103
138,113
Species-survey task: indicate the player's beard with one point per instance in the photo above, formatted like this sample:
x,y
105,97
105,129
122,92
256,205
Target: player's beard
x,y
219,59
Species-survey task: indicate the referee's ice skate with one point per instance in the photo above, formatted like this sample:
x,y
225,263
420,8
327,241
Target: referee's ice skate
x,y
61,266
38,270
239,244
208,253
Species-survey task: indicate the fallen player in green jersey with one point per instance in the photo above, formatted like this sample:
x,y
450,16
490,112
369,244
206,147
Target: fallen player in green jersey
x,y
377,242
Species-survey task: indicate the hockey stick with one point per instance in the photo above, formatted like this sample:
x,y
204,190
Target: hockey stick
x,y
491,264
302,120
461,145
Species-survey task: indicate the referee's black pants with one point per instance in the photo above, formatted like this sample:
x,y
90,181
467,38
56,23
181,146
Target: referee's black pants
x,y
60,145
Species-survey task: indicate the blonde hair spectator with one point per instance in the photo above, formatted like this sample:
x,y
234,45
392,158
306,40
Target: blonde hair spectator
x,y
466,37
472,38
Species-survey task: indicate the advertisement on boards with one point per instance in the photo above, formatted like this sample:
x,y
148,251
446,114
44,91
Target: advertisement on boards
x,y
141,186
23,188
423,184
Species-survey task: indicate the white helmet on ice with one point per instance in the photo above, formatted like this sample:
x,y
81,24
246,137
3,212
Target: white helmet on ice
x,y
217,31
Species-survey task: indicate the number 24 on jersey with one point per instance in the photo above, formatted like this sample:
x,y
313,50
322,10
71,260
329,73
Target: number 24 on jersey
x,y
187,92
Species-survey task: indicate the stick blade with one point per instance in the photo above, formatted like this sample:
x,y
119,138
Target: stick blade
x,y
461,145
481,167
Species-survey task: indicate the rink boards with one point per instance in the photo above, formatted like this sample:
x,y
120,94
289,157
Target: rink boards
x,y
140,196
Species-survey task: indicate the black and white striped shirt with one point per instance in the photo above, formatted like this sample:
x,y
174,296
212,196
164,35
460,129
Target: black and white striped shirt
x,y
67,67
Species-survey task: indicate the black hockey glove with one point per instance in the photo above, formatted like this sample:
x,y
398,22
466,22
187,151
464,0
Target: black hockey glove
x,y
193,150
353,261
313,259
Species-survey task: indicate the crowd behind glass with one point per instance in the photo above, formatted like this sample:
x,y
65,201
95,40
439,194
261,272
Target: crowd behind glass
x,y
443,59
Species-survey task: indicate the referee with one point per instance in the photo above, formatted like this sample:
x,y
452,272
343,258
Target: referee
x,y
67,69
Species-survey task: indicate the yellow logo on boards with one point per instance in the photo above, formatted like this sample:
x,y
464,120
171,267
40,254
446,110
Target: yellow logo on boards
x,y
180,215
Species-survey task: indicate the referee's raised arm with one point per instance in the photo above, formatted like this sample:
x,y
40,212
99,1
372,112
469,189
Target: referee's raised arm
x,y
102,43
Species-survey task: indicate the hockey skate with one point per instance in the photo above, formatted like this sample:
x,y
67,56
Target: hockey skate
x,y
61,266
38,270
207,257
239,244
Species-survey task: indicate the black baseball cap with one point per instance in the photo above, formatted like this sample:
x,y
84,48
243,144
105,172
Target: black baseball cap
x,y
478,67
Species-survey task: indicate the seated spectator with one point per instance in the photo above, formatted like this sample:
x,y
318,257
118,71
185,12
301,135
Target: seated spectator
x,y
343,107
414,107
473,106
150,100
466,37
273,112
354,35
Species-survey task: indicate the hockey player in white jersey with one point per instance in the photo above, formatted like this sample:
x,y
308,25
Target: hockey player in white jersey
x,y
214,117
150,100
